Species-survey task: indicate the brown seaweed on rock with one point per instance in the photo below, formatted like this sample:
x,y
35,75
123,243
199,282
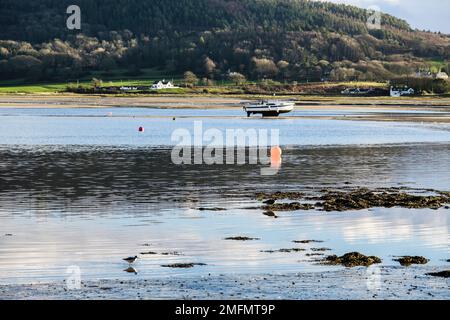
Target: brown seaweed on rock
x,y
352,259
149,253
409,260
314,254
442,274
307,241
240,238
279,196
357,199
294,206
320,249
363,199
211,209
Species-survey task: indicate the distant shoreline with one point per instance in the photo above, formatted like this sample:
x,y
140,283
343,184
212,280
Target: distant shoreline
x,y
412,109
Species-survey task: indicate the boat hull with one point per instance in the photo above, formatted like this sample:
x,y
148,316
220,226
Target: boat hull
x,y
266,111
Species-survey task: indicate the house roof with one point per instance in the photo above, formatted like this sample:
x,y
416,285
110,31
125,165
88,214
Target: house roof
x,y
163,82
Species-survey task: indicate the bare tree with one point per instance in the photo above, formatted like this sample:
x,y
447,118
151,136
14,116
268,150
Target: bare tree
x,y
237,78
264,68
190,78
209,66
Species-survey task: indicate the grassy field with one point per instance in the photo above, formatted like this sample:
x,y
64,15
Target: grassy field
x,y
32,88
147,76
122,77
438,65
115,78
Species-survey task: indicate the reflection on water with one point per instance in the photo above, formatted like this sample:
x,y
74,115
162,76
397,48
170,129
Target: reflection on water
x,y
233,112
92,206
97,127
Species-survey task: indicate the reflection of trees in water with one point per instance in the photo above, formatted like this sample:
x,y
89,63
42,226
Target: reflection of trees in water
x,y
147,176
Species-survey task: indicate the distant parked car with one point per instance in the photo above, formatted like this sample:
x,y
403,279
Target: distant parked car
x,y
357,91
128,88
398,92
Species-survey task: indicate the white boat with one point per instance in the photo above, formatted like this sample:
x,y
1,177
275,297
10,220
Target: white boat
x,y
269,108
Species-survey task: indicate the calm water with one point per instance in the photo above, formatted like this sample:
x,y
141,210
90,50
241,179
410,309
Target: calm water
x,y
98,127
81,188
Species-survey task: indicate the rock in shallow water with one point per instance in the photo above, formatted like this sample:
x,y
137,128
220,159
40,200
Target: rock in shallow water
x,y
409,260
352,259
442,274
294,206
358,199
279,196
364,199
307,241
241,238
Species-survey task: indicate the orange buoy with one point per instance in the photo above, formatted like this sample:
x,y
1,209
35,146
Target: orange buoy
x,y
275,158
141,129
275,154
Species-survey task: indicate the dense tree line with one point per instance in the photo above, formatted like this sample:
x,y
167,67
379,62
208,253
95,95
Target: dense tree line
x,y
258,39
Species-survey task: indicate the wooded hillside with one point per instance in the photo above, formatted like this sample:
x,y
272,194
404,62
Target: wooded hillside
x,y
286,40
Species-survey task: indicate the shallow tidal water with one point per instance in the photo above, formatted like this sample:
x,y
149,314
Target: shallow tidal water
x,y
84,188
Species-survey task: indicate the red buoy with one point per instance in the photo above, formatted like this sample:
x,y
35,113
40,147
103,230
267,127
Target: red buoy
x,y
141,129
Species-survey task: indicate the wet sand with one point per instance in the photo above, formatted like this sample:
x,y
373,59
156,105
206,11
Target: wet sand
x,y
419,108
77,101
382,283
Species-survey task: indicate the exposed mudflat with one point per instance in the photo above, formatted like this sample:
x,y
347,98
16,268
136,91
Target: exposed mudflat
x,y
415,109
356,283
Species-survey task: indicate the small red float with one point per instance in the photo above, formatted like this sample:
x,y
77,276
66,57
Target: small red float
x,y
141,129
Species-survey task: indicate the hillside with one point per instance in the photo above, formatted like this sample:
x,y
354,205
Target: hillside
x,y
286,40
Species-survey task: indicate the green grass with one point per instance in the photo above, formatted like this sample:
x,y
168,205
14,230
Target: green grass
x,y
122,77
437,65
32,88
117,77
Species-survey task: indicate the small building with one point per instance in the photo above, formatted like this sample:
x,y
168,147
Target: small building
x,y
424,74
398,92
159,85
441,76
123,88
431,75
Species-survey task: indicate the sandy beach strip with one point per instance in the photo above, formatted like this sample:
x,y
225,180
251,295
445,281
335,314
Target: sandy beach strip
x,y
441,111
71,100
77,101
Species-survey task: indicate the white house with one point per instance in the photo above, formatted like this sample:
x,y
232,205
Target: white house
x,y
424,74
159,85
441,76
398,92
